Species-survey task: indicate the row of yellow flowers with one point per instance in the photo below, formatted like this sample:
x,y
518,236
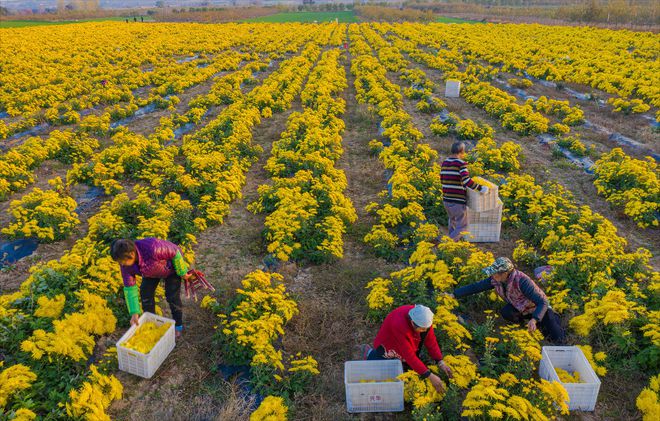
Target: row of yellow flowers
x,y
414,193
18,164
306,206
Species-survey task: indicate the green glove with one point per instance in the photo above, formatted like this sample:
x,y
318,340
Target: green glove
x,y
180,265
131,295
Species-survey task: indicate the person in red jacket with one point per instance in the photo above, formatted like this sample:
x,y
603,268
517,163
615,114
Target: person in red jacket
x,y
153,259
403,334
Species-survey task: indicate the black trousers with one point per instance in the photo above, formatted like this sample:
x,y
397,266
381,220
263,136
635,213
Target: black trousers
x,y
172,295
550,324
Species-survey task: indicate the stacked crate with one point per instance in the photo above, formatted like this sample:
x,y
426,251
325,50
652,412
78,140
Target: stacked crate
x,y
484,216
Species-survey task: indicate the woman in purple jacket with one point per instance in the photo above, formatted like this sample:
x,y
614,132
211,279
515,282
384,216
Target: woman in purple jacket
x,y
152,259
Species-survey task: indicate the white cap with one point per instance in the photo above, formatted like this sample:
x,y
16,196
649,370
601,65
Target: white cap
x,y
421,315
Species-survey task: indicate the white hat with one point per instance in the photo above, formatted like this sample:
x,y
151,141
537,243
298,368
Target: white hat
x,y
421,315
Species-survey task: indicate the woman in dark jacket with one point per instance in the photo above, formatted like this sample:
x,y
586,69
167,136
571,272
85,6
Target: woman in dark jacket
x,y
152,259
525,300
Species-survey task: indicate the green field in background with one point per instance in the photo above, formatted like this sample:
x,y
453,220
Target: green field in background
x,y
447,19
344,16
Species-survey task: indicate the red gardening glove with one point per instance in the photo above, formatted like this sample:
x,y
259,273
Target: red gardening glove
x,y
195,283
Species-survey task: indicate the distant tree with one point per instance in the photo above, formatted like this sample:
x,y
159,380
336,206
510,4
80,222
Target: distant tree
x,y
160,3
4,11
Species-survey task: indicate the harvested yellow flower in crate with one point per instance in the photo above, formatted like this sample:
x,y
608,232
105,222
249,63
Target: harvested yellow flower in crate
x,y
483,182
144,347
480,202
567,377
146,336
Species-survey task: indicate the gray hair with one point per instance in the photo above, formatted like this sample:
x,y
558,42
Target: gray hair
x,y
457,147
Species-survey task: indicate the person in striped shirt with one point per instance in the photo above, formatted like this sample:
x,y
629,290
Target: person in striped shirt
x,y
455,179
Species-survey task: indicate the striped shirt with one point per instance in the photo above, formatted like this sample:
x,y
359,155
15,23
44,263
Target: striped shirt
x,y
455,179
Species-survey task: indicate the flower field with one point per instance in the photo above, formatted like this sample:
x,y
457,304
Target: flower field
x,y
298,166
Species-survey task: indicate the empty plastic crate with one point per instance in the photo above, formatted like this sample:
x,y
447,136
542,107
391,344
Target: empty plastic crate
x,y
453,88
145,365
582,396
480,202
378,396
486,226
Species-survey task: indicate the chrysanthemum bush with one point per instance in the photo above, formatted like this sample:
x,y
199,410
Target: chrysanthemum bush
x,y
571,116
648,401
486,157
631,183
250,331
48,215
273,408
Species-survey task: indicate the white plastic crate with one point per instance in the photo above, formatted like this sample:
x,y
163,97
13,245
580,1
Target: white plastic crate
x,y
453,88
582,396
480,202
145,365
379,396
486,226
483,233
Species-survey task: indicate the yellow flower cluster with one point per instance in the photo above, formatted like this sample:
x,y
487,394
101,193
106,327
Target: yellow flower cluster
x,y
14,379
72,336
420,392
18,164
50,307
595,359
612,308
571,116
526,346
535,400
631,183
522,119
23,414
633,106
567,377
648,401
486,157
90,401
146,336
463,370
48,215
483,182
262,310
272,408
